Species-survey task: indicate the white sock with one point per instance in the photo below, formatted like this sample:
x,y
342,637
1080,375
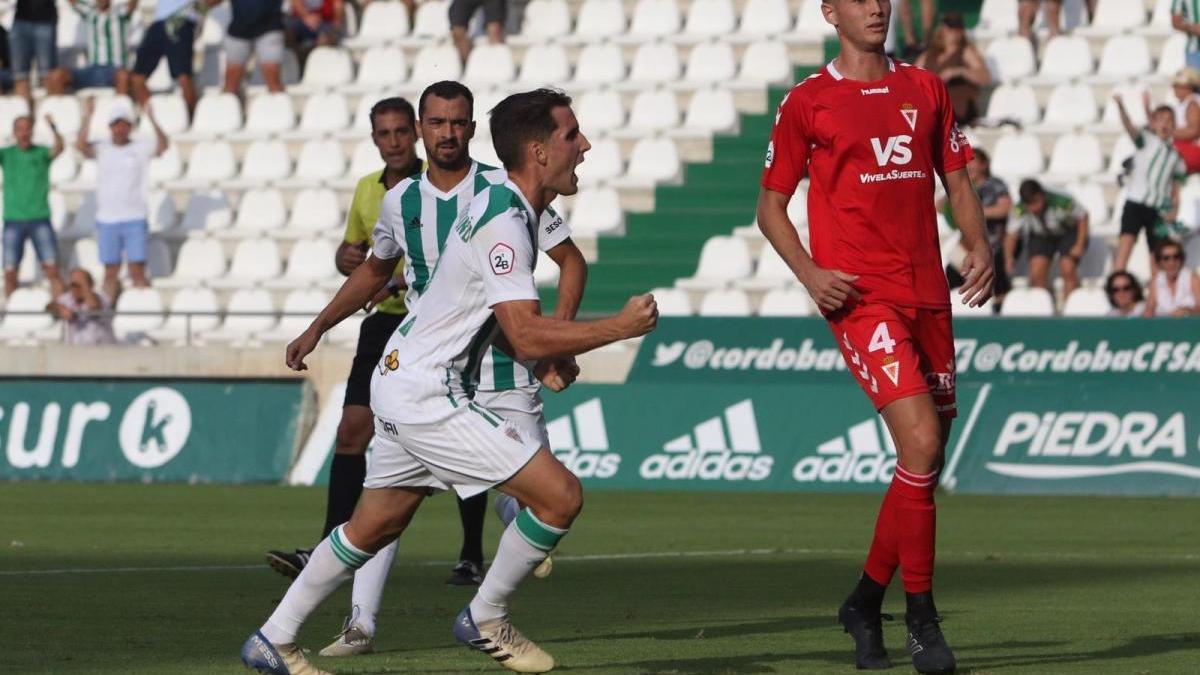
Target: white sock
x,y
524,545
331,563
506,507
368,587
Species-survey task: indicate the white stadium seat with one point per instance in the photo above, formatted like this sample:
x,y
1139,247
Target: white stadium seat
x,y
725,303
192,309
163,168
200,261
1115,16
207,211
216,114
711,62
265,161
489,65
653,110
260,211
128,326
997,17
85,254
1070,105
545,20
365,159
654,18
320,160
766,61
602,163
723,260
1132,95
171,113
315,210
303,304
1172,57
249,311
600,19
655,63
15,327
600,63
712,110
1010,58
1017,102
600,110
381,66
765,17
597,211
381,22
1065,57
64,167
432,19
710,18
810,22
1027,302
1124,57
785,302
545,64
1091,196
324,113
771,272
310,261
66,114
1075,156
437,62
209,162
1017,155
327,68
654,160
254,261
1122,150
672,302
269,114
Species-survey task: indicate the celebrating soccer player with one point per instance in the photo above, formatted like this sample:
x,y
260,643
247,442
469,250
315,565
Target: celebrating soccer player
x,y
871,134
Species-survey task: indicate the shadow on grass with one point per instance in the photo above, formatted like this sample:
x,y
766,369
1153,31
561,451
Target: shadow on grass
x,y
1138,647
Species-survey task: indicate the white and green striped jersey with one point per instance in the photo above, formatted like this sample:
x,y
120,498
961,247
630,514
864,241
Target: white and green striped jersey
x,y
106,33
1156,167
1190,9
415,221
431,363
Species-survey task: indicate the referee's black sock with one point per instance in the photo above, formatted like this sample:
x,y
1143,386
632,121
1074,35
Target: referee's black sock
x,y
346,476
472,512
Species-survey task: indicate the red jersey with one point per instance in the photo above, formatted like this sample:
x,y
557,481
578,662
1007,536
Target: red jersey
x,y
871,150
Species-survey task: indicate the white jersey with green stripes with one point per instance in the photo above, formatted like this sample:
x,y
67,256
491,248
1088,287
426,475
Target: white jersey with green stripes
x,y
1156,168
1190,9
415,221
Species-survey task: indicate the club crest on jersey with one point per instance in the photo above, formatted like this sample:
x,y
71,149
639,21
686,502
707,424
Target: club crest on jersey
x,y
501,258
910,115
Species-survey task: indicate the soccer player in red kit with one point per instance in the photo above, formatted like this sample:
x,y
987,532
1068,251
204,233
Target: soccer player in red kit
x,y
872,135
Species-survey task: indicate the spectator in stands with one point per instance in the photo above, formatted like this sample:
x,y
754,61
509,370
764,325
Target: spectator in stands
x,y
956,60
27,203
1175,288
912,45
172,35
34,39
106,35
1027,15
997,206
1152,186
461,11
1187,116
1185,18
6,83
255,26
1124,295
1051,223
315,23
88,312
122,168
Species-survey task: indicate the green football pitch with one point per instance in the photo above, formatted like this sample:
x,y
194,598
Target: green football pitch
x,y
170,579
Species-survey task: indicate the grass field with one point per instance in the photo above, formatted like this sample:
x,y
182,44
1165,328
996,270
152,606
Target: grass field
x,y
168,579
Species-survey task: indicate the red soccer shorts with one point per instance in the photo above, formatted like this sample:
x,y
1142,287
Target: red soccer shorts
x,y
897,352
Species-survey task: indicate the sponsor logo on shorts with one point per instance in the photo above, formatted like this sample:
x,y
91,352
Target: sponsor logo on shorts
x,y
725,447
501,259
580,441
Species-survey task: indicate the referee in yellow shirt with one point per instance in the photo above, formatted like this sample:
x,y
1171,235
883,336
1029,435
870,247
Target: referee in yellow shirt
x,y
394,131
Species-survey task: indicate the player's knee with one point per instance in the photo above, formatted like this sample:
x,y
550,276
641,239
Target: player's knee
x,y
923,448
563,504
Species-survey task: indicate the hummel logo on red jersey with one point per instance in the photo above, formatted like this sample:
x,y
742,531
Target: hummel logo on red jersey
x,y
871,92
910,115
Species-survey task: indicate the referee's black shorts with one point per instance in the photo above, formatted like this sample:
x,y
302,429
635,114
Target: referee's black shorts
x,y
373,337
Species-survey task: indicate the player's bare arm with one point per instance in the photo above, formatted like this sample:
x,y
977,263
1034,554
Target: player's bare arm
x,y
572,277
535,337
354,294
829,288
1081,238
977,268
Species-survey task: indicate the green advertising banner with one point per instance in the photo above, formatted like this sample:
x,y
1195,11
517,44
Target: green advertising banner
x,y
760,350
205,431
1032,438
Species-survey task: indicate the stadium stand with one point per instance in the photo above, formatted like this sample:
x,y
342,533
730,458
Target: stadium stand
x,y
677,97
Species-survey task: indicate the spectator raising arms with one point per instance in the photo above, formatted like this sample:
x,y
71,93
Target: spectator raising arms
x,y
122,173
461,11
953,57
34,39
1052,224
1187,116
1185,18
106,36
172,36
1124,295
27,203
315,23
1175,288
256,26
1152,188
86,311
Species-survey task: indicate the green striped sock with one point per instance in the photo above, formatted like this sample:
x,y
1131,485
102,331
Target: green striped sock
x,y
345,551
536,533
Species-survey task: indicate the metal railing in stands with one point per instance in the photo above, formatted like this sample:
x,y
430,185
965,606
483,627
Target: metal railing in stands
x,y
187,316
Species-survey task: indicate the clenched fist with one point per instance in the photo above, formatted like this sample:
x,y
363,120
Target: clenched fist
x,y
639,316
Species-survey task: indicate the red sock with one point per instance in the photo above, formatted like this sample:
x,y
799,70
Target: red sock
x,y
884,556
915,517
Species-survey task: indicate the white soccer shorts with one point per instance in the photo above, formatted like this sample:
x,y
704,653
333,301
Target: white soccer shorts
x,y
471,451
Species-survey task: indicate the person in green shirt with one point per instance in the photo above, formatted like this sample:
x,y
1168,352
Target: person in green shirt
x,y
27,203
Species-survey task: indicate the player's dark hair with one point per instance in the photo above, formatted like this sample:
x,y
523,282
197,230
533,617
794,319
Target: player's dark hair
x,y
1170,243
394,104
1030,188
1163,109
521,119
1136,285
448,90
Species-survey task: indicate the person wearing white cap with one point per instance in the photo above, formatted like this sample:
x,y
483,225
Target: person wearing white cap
x,y
122,172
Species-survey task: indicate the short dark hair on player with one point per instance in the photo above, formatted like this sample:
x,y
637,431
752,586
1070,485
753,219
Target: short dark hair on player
x,y
1030,188
1164,110
448,90
522,118
394,104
